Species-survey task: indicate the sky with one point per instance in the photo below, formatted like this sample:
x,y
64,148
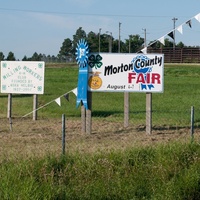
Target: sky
x,y
29,26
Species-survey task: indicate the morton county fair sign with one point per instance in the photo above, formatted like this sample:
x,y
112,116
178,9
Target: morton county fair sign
x,y
126,72
22,77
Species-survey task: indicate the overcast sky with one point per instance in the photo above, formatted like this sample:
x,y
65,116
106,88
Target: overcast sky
x,y
29,26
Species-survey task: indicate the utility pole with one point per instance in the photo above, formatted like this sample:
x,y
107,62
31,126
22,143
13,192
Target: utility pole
x,y
110,41
174,22
119,37
145,37
99,40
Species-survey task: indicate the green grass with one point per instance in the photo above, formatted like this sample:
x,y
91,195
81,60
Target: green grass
x,y
163,172
181,91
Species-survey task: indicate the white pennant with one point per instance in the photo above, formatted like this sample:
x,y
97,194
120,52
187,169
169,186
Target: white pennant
x,y
180,29
197,17
144,50
58,101
75,91
162,40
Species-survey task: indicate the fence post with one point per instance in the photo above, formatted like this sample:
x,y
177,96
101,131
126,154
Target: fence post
x,y
63,134
10,122
35,103
192,124
148,113
9,114
89,114
83,118
126,109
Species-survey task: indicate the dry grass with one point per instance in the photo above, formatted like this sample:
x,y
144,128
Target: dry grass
x,y
38,138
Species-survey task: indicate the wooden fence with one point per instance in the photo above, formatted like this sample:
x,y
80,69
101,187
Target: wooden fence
x,y
178,55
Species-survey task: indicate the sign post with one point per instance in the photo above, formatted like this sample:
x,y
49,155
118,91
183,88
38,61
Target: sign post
x,y
35,103
126,108
9,114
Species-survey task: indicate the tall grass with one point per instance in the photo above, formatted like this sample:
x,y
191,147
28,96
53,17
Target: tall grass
x,y
163,172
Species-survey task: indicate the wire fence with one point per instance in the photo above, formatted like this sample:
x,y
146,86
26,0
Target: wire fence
x,y
27,137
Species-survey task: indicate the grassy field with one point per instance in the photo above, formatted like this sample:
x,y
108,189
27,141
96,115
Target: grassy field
x,y
113,162
180,93
161,172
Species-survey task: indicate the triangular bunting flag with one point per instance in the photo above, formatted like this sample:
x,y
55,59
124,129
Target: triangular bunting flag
x,y
162,40
197,17
180,29
66,96
153,44
189,23
144,50
58,101
171,34
75,91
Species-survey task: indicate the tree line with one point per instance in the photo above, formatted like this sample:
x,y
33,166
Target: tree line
x,y
97,43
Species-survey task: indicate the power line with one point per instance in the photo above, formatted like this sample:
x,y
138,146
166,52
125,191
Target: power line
x,y
84,14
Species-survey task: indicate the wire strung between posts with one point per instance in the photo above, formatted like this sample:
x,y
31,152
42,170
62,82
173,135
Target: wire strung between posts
x,y
46,104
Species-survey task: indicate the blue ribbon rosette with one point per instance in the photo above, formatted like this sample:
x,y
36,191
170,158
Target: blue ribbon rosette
x,y
82,60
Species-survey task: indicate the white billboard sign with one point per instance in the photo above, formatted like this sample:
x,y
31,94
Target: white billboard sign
x,y
22,77
126,72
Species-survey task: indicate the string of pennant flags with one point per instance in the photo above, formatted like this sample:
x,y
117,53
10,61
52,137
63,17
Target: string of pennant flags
x,y
144,50
66,95
171,33
57,100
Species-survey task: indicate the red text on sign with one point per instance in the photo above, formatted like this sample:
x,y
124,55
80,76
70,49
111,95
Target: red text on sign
x,y
148,78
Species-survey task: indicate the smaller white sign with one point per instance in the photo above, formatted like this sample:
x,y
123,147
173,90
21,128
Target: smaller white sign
x,y
22,77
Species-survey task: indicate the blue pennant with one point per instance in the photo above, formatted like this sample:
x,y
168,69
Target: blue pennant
x,y
143,86
150,86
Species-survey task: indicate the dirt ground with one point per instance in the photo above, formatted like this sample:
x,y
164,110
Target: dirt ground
x,y
24,137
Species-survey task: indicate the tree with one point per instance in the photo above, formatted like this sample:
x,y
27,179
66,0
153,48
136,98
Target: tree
x,y
115,46
80,34
135,42
180,45
93,41
24,58
157,44
36,57
65,49
1,56
168,43
105,43
11,56
123,47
